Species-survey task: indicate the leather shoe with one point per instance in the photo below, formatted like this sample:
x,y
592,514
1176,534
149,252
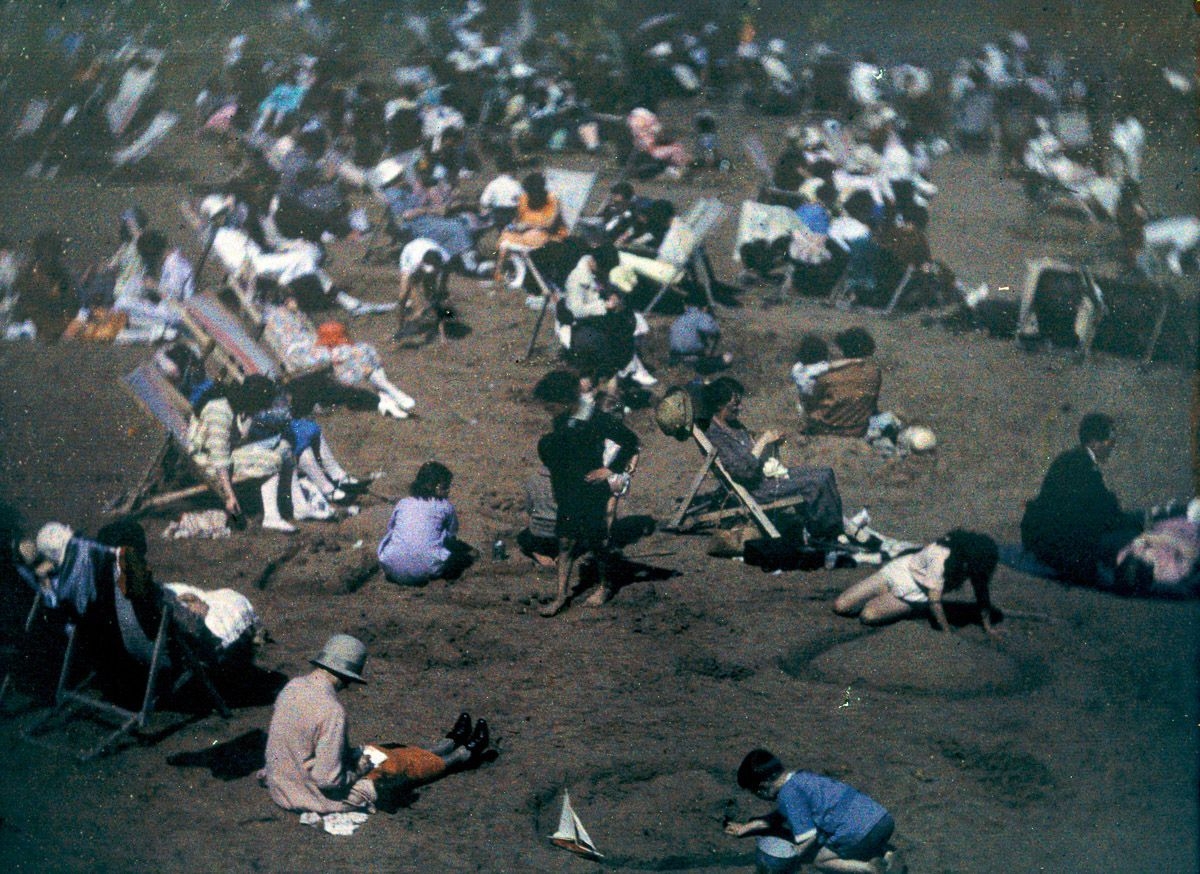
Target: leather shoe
x,y
478,744
461,733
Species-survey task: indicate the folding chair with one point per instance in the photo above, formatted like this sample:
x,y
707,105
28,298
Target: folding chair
x,y
72,699
734,499
682,252
239,281
760,220
572,189
221,334
156,395
1088,310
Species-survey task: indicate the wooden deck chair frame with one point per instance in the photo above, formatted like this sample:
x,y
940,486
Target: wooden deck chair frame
x,y
71,699
1033,272
162,401
747,505
686,251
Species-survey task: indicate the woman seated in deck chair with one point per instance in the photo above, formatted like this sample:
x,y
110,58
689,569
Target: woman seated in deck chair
x,y
183,366
767,480
106,584
301,346
538,221
221,420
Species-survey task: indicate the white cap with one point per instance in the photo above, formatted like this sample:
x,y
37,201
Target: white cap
x,y
52,541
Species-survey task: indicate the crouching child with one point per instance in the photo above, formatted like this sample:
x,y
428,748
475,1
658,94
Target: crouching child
x,y
832,825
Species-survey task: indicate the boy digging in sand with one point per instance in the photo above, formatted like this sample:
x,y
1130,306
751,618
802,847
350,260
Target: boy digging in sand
x,y
833,825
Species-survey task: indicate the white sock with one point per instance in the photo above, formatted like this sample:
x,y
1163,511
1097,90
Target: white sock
x,y
379,380
308,464
333,469
348,301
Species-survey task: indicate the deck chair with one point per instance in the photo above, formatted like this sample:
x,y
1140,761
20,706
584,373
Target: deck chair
x,y
1051,282
572,188
732,499
156,395
167,650
222,335
682,252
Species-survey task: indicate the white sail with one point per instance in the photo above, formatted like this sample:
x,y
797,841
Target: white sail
x,y
566,819
571,835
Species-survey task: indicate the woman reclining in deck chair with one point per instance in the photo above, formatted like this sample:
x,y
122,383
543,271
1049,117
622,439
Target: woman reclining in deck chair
x,y
105,584
767,480
291,334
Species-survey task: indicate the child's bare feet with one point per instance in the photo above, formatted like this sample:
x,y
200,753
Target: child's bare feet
x,y
599,597
553,608
543,560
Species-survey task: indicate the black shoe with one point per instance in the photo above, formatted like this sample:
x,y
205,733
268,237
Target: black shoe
x,y
477,746
461,733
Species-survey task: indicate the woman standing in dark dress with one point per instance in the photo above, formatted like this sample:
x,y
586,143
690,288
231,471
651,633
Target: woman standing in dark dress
x,y
574,454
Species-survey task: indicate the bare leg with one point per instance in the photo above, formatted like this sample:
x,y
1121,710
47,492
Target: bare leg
x,y
604,592
564,563
855,598
828,860
883,609
311,467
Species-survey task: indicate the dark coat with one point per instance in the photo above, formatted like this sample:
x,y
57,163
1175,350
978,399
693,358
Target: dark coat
x,y
1074,521
570,452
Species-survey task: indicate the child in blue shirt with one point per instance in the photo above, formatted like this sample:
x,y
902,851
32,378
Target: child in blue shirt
x,y
834,825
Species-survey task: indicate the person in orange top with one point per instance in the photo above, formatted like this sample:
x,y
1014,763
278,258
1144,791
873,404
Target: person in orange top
x,y
846,396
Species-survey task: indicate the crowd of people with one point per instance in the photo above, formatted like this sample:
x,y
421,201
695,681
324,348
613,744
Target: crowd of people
x,y
318,146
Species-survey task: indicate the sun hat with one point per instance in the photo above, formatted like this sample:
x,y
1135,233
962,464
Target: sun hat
x,y
52,541
674,413
343,655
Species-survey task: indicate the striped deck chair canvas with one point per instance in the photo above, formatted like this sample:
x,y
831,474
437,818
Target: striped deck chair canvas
x,y
221,333
157,396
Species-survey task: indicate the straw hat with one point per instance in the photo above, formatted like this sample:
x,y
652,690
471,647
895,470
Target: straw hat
x,y
674,413
52,541
343,655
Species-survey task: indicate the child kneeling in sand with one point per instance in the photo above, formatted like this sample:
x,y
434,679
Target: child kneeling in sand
x,y
834,825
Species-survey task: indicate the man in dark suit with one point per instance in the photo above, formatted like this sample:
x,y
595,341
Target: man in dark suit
x,y
1075,524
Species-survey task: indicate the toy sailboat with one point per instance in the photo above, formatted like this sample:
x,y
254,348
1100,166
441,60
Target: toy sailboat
x,y
571,834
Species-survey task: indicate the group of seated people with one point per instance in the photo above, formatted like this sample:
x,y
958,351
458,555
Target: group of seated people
x,y
135,296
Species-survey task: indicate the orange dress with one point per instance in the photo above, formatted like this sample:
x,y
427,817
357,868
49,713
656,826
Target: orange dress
x,y
537,226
